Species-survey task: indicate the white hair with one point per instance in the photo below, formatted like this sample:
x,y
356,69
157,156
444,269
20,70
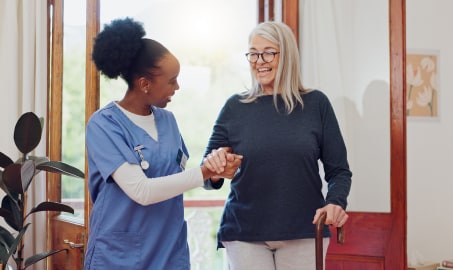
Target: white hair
x,y
288,81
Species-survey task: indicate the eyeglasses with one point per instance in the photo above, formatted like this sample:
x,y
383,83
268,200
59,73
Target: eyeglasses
x,y
267,57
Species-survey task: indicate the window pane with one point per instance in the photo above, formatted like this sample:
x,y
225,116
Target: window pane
x,y
210,38
73,126
210,46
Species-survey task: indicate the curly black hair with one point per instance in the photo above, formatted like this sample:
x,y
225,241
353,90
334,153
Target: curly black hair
x,y
120,49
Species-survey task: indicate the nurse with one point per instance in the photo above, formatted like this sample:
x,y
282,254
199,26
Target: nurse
x,y
137,157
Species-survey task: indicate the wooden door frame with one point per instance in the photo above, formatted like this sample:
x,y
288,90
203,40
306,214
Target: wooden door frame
x,y
77,232
92,86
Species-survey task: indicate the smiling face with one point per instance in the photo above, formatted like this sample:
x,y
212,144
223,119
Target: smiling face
x,y
165,81
264,73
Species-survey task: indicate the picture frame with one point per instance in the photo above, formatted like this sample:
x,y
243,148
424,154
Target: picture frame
x,y
422,78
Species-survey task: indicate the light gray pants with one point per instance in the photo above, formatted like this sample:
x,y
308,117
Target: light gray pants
x,y
273,255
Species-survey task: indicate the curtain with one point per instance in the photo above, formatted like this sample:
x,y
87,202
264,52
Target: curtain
x,y
23,73
345,53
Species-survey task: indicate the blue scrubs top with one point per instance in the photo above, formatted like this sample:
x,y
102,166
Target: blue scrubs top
x,y
124,234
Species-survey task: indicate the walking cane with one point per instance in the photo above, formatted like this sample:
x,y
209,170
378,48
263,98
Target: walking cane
x,y
319,237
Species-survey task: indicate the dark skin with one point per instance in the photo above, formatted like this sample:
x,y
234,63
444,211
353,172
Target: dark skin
x,y
153,90
157,90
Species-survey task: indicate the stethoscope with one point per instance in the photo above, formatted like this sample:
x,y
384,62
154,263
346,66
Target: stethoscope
x,y
143,163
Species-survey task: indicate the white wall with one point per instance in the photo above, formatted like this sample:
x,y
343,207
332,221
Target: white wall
x,y
345,54
430,142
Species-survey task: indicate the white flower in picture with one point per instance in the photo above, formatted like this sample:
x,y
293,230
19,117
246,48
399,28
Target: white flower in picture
x,y
428,64
424,98
414,77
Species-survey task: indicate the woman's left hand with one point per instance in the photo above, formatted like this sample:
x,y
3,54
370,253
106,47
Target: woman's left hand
x,y
336,216
217,159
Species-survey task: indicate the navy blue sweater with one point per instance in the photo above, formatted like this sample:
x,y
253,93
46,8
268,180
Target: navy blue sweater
x,y
278,187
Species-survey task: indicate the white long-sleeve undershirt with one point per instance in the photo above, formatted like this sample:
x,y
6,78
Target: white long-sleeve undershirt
x,y
145,191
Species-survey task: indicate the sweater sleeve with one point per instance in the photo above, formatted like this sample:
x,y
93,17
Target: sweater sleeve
x,y
334,158
219,138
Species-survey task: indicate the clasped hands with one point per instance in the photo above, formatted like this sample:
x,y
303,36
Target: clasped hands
x,y
222,162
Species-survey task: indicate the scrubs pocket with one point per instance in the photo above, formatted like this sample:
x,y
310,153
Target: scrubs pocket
x,y
117,250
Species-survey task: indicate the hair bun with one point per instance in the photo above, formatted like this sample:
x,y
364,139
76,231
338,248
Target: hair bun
x,y
117,45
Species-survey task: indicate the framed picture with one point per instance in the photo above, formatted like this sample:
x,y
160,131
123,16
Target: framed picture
x,y
422,93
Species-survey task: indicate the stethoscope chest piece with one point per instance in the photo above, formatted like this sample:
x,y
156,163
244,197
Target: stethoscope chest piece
x,y
144,164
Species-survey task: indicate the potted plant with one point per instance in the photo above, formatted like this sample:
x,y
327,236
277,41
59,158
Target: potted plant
x,y
15,179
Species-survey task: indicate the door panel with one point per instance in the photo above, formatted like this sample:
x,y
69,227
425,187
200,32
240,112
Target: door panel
x,y
366,242
70,236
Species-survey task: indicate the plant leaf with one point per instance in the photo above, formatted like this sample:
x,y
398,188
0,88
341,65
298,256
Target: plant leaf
x,y
4,251
27,133
6,238
27,173
12,178
8,216
16,242
60,167
5,160
11,213
51,206
3,185
38,160
37,257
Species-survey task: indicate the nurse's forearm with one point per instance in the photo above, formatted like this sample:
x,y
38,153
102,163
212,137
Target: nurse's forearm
x,y
145,191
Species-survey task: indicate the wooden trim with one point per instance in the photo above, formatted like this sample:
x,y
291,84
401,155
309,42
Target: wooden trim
x,y
49,15
92,96
290,16
55,95
261,11
204,203
398,150
54,106
266,9
270,10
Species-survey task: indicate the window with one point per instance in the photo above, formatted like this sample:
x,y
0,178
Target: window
x,y
210,38
73,100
